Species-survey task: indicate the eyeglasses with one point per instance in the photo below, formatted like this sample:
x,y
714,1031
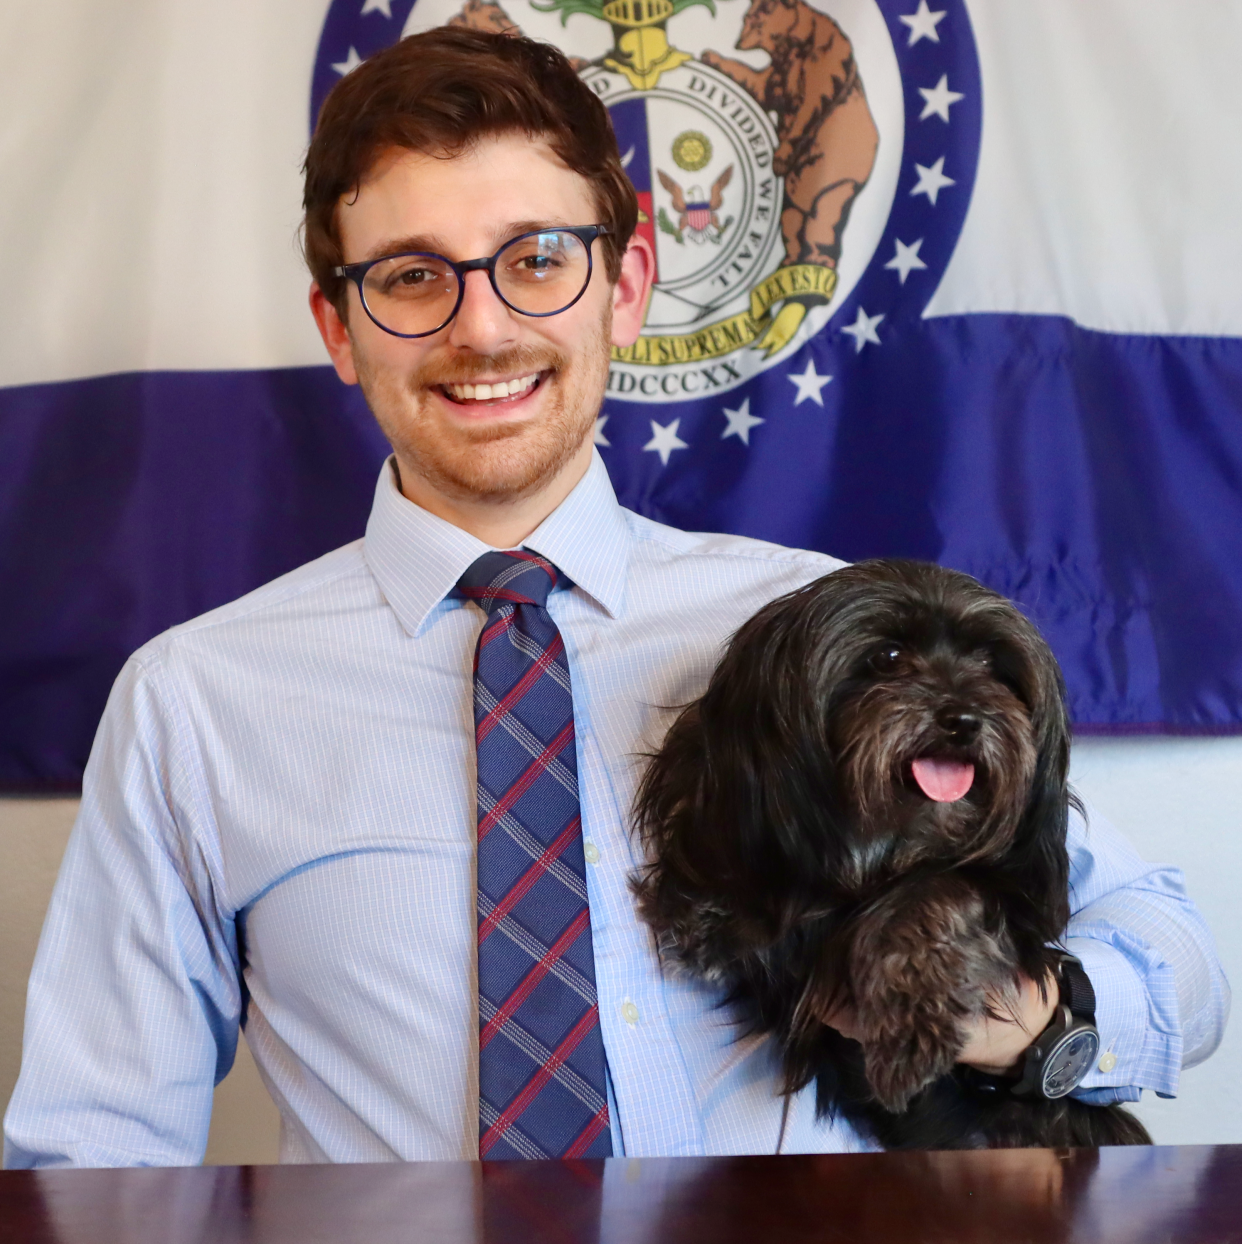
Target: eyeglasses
x,y
416,294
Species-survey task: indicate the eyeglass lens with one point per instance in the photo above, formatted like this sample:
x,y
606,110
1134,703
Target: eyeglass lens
x,y
539,274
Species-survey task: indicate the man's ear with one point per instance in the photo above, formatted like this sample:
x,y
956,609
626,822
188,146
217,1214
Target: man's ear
x,y
335,334
632,291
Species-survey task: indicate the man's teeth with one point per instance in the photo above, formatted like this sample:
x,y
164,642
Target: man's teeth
x,y
489,392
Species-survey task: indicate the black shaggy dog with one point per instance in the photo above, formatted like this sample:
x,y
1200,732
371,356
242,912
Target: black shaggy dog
x,y
868,808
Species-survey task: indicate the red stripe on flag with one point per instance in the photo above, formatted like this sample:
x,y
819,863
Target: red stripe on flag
x,y
646,224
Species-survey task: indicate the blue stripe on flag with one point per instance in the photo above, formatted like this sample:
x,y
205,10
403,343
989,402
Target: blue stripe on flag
x,y
130,503
1094,477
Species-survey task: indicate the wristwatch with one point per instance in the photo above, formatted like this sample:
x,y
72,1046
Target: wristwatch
x,y
1058,1059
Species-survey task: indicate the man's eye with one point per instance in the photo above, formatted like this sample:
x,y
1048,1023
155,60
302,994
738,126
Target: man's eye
x,y
537,265
885,660
411,281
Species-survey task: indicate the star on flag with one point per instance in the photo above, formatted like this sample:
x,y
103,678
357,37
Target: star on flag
x,y
863,330
809,384
600,438
932,180
740,422
664,440
923,23
938,98
377,6
349,64
906,259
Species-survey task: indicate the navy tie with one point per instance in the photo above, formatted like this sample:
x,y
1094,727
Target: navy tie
x,y
542,1087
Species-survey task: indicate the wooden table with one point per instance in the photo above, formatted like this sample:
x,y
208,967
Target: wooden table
x,y
1187,1195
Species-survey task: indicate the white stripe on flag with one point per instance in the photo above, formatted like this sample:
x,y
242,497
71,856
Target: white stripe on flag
x,y
157,147
1111,166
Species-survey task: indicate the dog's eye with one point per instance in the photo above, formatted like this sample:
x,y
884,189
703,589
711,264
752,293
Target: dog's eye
x,y
884,660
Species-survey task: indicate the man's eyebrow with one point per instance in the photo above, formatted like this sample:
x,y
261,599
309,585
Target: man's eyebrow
x,y
429,243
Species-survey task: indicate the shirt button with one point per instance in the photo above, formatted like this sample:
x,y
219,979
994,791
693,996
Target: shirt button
x,y
629,1013
591,851
1108,1062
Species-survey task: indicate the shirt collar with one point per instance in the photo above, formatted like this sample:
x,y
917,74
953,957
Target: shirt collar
x,y
417,558
587,538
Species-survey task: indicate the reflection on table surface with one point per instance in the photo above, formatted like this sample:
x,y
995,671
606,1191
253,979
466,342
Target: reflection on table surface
x,y
1184,1195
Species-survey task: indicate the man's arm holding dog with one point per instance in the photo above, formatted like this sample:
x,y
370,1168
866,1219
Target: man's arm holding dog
x,y
1161,996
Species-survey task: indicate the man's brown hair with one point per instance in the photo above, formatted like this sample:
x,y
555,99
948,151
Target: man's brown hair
x,y
437,93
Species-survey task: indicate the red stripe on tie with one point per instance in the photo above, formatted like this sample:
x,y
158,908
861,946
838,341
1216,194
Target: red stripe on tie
x,y
514,1111
588,1134
541,562
519,788
493,630
497,593
528,878
520,688
542,967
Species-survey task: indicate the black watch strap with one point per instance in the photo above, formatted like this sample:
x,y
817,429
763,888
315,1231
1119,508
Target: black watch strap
x,y
1076,990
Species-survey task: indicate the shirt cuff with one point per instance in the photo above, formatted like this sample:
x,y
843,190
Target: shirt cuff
x,y
1148,1052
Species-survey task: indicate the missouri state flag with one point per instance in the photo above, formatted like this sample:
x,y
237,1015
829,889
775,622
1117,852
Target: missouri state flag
x,y
949,279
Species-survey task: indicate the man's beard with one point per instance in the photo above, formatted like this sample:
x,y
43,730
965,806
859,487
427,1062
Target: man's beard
x,y
505,461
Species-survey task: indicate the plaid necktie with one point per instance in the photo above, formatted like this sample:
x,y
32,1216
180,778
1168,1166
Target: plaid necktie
x,y
541,1055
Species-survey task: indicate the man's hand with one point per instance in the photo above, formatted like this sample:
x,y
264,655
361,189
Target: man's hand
x,y
995,1046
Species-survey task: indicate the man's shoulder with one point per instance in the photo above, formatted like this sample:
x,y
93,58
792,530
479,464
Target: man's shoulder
x,y
738,560
306,594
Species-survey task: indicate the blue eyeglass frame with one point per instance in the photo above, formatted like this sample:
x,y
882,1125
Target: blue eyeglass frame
x,y
586,234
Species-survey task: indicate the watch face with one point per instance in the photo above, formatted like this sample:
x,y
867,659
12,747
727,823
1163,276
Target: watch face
x,y
1069,1060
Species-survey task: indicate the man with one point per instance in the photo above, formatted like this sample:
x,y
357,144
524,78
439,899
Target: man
x,y
283,811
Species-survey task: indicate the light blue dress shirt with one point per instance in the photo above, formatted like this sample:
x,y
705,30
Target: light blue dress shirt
x,y
277,831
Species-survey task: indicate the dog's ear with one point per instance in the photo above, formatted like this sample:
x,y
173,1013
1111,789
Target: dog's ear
x,y
1039,854
673,889
740,806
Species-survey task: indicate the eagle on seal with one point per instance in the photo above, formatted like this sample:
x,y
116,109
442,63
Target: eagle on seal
x,y
695,211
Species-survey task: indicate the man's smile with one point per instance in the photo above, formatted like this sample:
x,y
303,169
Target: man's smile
x,y
492,392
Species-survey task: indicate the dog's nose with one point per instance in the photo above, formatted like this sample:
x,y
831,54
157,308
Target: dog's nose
x,y
960,726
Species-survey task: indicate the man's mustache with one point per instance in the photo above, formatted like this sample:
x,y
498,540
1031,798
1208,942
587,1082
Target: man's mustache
x,y
466,368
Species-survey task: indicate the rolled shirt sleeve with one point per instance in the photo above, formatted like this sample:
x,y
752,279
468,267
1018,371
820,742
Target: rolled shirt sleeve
x,y
1161,996
135,999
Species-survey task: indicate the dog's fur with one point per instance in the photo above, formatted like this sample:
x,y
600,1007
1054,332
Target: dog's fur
x,y
793,857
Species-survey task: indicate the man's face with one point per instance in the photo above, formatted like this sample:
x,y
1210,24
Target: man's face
x,y
464,207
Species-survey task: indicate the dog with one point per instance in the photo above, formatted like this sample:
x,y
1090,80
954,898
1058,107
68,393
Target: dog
x,y
867,808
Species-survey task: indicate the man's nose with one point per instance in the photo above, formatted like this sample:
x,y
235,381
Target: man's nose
x,y
483,323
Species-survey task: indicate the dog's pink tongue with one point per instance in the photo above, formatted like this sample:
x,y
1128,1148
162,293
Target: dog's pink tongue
x,y
943,780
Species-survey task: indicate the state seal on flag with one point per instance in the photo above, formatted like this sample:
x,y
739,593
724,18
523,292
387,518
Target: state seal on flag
x,y
767,141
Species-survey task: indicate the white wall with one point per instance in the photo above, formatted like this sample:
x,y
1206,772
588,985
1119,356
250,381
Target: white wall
x,y
1180,800
245,1126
